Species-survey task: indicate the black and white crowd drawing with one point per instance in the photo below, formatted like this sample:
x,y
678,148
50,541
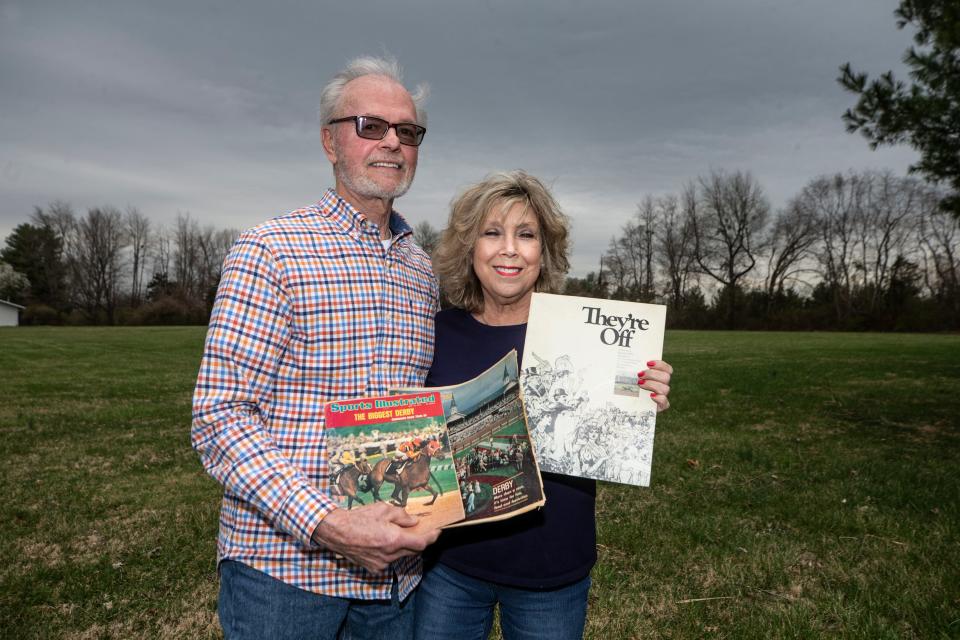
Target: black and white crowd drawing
x,y
576,434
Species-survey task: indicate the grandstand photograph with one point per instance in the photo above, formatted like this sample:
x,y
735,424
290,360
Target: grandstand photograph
x,y
492,452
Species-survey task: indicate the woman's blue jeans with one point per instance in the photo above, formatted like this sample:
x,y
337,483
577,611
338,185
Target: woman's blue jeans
x,y
451,605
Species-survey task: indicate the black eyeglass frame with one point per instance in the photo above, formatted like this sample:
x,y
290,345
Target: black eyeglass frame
x,y
358,125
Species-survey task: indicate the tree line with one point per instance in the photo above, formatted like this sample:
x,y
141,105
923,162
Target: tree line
x,y
856,251
111,267
867,250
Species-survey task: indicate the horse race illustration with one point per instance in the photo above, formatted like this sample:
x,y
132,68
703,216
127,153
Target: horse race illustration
x,y
581,358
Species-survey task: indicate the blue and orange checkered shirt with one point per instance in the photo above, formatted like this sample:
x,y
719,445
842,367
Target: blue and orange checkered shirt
x,y
310,308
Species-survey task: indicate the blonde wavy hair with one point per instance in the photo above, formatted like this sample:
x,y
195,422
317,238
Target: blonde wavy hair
x,y
453,258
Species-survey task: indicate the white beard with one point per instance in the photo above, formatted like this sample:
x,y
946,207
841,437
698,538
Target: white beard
x,y
365,186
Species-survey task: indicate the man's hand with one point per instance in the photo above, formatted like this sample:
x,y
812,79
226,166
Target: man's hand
x,y
373,536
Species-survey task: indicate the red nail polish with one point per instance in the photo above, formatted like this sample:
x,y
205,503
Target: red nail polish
x,y
641,374
651,363
653,395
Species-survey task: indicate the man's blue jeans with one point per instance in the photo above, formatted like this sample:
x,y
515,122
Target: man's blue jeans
x,y
255,606
453,605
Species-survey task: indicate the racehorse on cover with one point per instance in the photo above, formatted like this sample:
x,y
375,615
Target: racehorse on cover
x,y
349,479
413,476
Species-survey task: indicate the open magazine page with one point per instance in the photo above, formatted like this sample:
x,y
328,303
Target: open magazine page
x,y
394,448
495,463
587,415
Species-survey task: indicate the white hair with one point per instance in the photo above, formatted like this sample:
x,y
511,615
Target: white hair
x,y
332,93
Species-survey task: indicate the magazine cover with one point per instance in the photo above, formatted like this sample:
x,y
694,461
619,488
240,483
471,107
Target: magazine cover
x,y
393,448
587,415
495,463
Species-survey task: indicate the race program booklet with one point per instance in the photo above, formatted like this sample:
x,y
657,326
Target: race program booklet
x,y
393,448
587,416
495,462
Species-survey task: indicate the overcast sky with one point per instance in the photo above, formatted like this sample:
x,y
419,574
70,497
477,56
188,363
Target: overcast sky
x,y
210,107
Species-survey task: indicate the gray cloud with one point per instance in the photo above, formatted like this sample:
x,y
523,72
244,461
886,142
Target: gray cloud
x,y
211,107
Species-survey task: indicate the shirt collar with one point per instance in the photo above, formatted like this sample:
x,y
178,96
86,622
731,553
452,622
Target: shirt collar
x,y
332,206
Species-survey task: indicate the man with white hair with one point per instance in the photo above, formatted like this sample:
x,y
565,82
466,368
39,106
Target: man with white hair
x,y
327,302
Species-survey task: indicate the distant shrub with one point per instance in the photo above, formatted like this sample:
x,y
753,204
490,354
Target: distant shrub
x,y
79,318
168,310
36,314
127,316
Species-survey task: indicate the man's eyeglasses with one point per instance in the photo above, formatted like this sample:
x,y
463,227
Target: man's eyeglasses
x,y
376,129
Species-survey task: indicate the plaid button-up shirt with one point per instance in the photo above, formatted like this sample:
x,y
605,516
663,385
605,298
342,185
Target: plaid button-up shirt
x,y
310,308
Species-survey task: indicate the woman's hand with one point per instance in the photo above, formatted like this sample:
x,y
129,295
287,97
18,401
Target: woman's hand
x,y
656,380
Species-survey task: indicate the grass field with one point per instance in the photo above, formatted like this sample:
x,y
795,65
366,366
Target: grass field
x,y
804,486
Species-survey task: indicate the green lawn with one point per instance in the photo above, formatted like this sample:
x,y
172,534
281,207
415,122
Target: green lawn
x,y
804,486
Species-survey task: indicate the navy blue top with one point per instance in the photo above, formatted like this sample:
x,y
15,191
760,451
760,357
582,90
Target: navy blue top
x,y
545,548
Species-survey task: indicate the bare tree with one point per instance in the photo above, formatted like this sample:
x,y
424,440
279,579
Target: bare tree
x,y
96,260
835,202
728,214
212,248
629,257
791,241
674,247
426,236
884,224
938,235
624,262
186,269
647,218
866,222
198,257
615,270
162,252
137,227
59,216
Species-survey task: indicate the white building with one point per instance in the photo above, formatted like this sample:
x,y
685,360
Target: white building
x,y
9,314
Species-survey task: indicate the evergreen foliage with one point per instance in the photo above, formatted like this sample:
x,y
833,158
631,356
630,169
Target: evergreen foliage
x,y
926,112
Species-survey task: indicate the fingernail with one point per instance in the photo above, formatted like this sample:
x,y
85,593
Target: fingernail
x,y
641,374
651,363
653,395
